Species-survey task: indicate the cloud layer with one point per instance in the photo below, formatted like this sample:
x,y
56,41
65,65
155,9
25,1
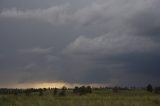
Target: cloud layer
x,y
106,41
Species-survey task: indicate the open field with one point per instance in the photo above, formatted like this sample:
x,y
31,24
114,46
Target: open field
x,y
97,98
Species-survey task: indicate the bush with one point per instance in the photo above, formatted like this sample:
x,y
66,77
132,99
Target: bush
x,y
63,91
41,92
55,91
149,88
82,90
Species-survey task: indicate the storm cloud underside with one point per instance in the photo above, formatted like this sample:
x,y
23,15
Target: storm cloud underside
x,y
103,41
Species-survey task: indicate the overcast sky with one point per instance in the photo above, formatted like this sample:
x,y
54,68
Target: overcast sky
x,y
114,42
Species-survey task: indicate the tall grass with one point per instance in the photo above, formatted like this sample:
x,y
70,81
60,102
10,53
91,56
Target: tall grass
x,y
97,98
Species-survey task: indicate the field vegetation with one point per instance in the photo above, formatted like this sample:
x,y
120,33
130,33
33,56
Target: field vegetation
x,y
80,96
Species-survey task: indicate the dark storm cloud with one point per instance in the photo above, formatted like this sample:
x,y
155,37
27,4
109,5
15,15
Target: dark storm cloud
x,y
142,25
34,4
106,41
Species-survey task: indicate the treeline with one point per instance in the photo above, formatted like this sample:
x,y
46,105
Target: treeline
x,y
30,91
149,88
48,91
83,90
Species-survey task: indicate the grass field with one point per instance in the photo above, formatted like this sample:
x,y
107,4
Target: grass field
x,y
97,98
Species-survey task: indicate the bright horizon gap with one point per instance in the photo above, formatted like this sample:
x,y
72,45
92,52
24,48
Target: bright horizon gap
x,y
51,85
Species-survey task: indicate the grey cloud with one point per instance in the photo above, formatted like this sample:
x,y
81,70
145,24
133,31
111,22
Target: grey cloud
x,y
121,44
55,14
142,25
95,12
37,50
111,44
34,4
108,41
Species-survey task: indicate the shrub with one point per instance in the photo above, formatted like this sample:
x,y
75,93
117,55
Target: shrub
x,y
82,90
63,91
55,91
149,88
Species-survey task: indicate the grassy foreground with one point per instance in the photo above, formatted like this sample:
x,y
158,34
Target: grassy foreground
x,y
97,98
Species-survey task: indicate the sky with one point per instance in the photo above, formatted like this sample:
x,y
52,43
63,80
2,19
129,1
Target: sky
x,y
110,42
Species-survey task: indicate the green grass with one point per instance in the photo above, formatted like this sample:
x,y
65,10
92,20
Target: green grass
x,y
97,98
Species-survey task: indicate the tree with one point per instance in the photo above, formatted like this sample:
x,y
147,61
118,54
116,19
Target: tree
x,y
55,91
88,89
82,90
63,91
40,92
28,92
149,88
76,90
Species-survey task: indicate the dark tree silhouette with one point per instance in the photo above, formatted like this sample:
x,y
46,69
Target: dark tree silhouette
x,y
82,90
89,89
40,92
149,88
55,91
63,91
76,90
28,92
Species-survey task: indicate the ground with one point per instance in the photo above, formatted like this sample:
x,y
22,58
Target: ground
x,y
97,98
